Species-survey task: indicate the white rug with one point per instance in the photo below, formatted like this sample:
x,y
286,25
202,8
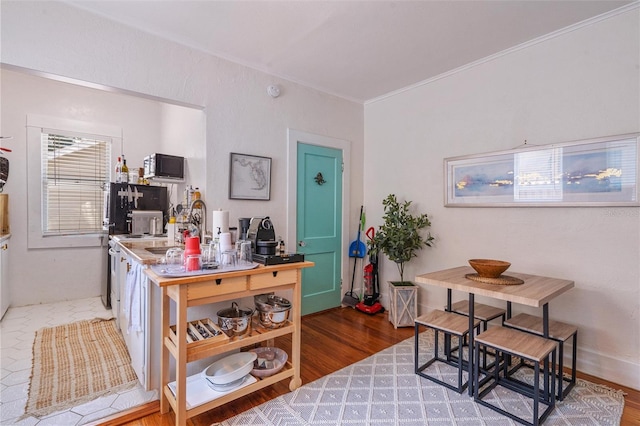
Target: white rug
x,y
383,390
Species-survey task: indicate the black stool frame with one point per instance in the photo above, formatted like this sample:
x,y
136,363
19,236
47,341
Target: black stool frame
x,y
484,323
457,361
571,381
547,397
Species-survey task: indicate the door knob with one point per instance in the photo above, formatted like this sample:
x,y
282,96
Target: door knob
x,y
302,243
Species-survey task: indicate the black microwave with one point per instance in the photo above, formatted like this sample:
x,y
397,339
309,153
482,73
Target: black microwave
x,y
164,167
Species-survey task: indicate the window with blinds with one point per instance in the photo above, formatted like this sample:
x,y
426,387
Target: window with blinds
x,y
75,172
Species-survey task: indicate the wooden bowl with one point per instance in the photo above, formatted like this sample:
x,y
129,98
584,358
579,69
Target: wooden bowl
x,y
488,268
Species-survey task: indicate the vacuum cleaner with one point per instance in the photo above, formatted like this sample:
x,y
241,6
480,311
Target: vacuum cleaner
x,y
370,302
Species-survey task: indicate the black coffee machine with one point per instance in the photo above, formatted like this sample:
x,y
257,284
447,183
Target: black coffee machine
x,y
262,236
264,245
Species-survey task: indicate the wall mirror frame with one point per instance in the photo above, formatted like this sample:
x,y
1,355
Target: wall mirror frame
x,y
585,173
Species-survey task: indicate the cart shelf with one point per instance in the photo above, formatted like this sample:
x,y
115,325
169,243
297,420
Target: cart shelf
x,y
207,349
287,372
199,290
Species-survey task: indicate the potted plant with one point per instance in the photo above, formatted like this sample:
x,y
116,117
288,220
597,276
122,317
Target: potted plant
x,y
399,236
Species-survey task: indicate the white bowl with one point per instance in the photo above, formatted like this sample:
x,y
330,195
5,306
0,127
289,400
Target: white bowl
x,y
230,369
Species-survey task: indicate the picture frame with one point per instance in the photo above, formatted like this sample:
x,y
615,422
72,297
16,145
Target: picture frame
x,y
249,177
587,173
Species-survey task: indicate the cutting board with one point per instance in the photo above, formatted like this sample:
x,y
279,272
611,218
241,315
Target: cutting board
x,y
4,214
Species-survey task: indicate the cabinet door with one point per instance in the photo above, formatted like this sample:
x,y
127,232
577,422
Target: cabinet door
x,y
122,267
114,258
138,339
134,305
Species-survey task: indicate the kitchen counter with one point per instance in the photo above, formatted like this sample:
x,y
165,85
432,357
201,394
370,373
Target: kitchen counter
x,y
137,249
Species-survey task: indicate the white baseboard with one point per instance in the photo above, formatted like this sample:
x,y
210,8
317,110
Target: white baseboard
x,y
607,367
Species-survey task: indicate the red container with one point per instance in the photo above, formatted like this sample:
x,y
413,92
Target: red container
x,y
193,263
191,247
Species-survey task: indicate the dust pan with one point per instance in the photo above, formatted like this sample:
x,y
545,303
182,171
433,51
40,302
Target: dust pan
x,y
350,299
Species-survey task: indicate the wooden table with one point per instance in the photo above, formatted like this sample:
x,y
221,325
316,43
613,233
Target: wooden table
x,y
536,291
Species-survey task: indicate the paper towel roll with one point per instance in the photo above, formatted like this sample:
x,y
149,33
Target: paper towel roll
x,y
220,220
225,241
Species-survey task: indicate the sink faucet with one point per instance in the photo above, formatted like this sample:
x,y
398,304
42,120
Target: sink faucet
x,y
202,227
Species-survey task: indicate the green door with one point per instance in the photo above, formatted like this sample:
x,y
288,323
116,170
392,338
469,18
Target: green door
x,y
319,225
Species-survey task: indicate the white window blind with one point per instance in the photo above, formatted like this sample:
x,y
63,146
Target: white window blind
x,y
75,172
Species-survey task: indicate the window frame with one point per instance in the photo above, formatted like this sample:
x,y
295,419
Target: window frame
x,y
36,125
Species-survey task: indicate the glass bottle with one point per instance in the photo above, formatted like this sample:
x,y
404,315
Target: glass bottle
x,y
124,172
118,170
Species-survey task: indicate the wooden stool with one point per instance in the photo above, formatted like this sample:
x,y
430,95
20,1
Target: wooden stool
x,y
451,325
536,350
558,331
484,313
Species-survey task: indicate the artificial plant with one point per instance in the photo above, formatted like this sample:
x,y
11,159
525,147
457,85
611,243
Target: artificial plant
x,y
399,237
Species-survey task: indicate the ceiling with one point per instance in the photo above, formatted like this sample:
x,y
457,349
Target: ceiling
x,y
358,50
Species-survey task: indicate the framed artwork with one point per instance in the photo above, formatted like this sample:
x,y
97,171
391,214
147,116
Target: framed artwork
x,y
594,172
249,177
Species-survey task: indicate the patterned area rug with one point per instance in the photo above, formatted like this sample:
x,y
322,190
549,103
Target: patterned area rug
x,y
383,390
76,363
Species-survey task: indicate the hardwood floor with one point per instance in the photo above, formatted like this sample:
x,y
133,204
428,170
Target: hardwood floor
x,y
331,340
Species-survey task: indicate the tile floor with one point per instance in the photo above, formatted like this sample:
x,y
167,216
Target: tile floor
x,y
17,331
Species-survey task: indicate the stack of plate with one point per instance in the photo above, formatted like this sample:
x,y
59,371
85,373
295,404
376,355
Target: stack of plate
x,y
229,372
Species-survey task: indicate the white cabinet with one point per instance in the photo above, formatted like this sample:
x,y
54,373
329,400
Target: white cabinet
x,y
5,292
134,316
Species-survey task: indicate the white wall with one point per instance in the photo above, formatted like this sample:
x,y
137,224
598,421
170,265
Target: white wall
x,y
240,116
46,275
579,85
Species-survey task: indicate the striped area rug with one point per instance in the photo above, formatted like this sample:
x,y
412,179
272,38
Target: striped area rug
x,y
76,363
384,390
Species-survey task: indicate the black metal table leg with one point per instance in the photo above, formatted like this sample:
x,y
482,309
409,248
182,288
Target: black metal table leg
x,y
471,340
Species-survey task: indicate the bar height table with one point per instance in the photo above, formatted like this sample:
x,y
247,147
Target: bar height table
x,y
536,291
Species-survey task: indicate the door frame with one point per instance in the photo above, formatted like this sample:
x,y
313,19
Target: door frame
x,y
293,136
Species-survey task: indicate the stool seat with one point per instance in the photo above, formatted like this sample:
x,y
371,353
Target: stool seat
x,y
517,343
446,321
533,324
480,311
